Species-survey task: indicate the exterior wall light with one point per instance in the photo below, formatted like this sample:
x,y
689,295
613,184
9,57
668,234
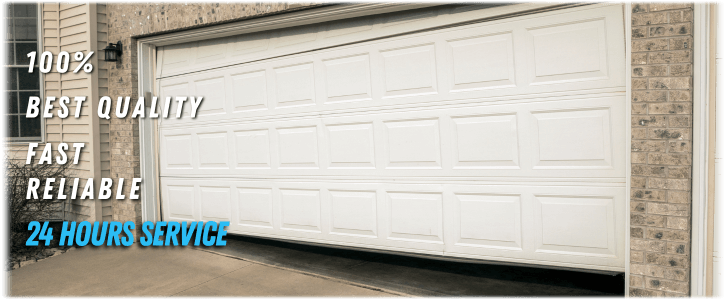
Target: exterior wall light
x,y
112,51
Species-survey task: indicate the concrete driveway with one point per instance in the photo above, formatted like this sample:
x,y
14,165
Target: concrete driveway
x,y
179,271
258,267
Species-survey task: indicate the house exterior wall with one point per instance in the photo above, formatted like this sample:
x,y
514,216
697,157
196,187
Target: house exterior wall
x,y
662,117
70,28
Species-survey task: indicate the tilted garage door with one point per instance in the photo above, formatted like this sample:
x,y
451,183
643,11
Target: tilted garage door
x,y
501,140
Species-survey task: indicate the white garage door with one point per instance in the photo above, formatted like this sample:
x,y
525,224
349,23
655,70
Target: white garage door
x,y
500,140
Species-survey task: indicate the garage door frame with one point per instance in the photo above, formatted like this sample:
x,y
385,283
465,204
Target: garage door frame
x,y
147,69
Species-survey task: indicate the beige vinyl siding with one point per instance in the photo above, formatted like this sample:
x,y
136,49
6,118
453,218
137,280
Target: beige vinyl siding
x,y
71,28
104,137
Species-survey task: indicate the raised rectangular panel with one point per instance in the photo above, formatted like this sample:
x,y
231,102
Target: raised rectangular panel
x,y
409,71
213,150
482,62
173,91
569,52
347,79
252,148
300,209
178,151
176,56
415,216
210,50
255,207
486,142
215,203
490,221
353,213
575,225
181,202
250,91
413,144
298,147
573,139
295,85
212,89
351,146
251,42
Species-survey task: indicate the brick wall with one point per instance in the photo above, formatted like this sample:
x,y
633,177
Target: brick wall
x,y
127,20
662,82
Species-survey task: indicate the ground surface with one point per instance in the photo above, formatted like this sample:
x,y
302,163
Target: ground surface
x,y
424,277
165,272
258,267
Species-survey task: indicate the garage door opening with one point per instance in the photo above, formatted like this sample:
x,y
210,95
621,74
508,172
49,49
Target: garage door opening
x,y
502,140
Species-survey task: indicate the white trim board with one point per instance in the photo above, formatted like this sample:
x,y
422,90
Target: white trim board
x,y
701,71
627,16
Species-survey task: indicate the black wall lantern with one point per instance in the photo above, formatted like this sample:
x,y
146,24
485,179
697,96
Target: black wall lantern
x,y
112,51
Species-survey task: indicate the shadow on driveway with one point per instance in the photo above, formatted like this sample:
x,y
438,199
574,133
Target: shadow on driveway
x,y
423,277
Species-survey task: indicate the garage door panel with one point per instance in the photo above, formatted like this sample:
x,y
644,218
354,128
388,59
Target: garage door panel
x,y
488,220
554,224
486,141
215,203
298,147
181,202
351,146
412,144
510,222
588,221
577,138
215,97
254,207
569,52
261,45
482,62
354,213
252,149
500,140
566,56
294,85
409,71
249,91
347,78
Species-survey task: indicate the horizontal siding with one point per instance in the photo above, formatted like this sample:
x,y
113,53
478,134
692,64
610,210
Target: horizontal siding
x,y
104,125
65,28
69,84
16,151
75,29
75,20
67,6
72,39
73,12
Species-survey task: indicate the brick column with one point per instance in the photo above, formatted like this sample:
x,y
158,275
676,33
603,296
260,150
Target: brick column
x,y
124,133
660,204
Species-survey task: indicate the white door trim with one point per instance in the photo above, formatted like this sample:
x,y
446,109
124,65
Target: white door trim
x,y
701,71
627,16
